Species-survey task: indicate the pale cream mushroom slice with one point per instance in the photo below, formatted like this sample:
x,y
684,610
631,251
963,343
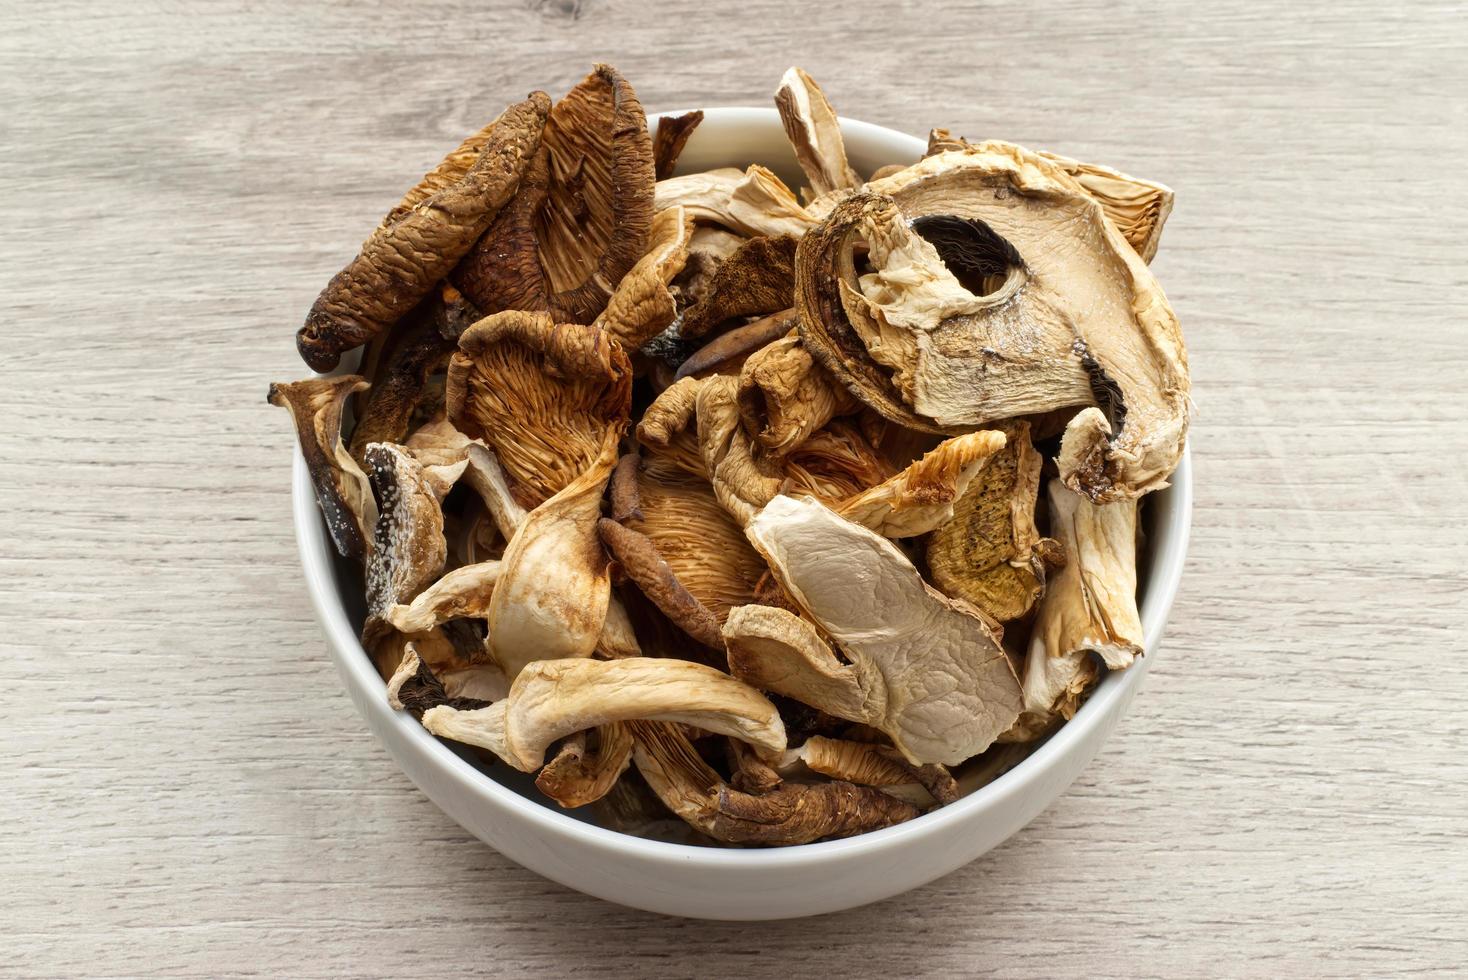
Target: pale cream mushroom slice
x,y
999,289
785,395
1139,208
464,592
814,132
926,670
542,395
990,554
793,813
642,305
343,491
551,699
922,497
553,588
751,202
1092,603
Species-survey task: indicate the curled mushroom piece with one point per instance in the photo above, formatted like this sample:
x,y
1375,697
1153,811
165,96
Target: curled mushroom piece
x,y
1139,208
502,271
877,765
582,772
542,395
990,554
922,497
785,396
836,462
409,549
642,305
551,699
403,378
342,489
553,587
756,280
901,635
794,813
751,202
406,256
743,479
815,133
669,140
1000,289
736,344
462,593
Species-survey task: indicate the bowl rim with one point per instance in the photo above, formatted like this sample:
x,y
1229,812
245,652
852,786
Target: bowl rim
x,y
1164,576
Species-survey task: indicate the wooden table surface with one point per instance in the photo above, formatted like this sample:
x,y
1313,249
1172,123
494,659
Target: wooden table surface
x,y
187,789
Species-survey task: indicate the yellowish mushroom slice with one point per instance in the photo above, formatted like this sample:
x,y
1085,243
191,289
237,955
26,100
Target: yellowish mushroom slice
x,y
751,202
1092,603
406,256
587,765
1139,208
542,395
785,395
553,588
999,289
990,553
947,689
551,699
642,305
868,764
342,489
598,211
794,813
922,497
815,133
838,461
743,478
668,427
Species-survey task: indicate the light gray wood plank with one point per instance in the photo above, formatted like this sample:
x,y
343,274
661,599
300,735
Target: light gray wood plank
x,y
187,789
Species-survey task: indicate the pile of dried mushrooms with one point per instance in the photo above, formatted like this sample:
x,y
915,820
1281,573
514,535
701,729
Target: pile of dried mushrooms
x,y
793,515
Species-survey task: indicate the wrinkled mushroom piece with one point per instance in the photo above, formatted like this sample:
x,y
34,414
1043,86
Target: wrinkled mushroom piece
x,y
729,347
815,133
502,271
668,142
758,279
542,395
990,553
785,396
551,595
642,306
743,479
708,247
999,289
948,689
598,211
582,773
868,764
1092,603
400,386
462,593
792,814
836,462
342,488
751,202
922,497
551,699
1139,208
668,426
406,256
409,549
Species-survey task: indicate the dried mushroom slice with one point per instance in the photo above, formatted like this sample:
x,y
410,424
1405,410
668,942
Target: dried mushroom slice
x,y
342,489
462,593
791,814
502,271
815,133
542,395
1091,604
598,212
949,688
751,202
990,553
1139,208
668,427
742,478
396,393
642,306
550,599
756,280
640,561
836,462
409,549
785,396
776,650
669,140
1053,689
582,773
551,699
1000,289
877,765
730,347
707,250
922,497
405,259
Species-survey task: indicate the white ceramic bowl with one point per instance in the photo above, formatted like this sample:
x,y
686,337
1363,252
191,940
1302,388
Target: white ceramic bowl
x,y
773,883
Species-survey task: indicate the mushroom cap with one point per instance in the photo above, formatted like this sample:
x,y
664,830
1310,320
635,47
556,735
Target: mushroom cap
x,y
814,132
642,305
751,202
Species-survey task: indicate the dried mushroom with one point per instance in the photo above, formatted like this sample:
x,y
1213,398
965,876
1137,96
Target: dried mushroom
x,y
990,553
342,489
542,395
999,289
931,673
407,255
801,593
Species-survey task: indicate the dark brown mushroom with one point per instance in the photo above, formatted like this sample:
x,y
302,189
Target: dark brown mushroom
x,y
400,386
405,258
646,568
672,136
733,344
758,279
502,271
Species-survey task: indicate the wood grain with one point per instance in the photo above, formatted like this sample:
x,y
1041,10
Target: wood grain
x,y
187,789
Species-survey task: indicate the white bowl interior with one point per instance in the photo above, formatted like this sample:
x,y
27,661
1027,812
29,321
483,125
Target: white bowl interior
x,y
732,137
